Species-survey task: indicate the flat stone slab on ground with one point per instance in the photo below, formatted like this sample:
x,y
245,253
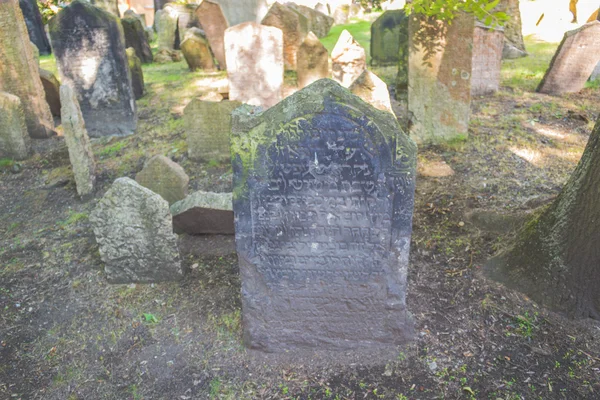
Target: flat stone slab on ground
x,y
204,213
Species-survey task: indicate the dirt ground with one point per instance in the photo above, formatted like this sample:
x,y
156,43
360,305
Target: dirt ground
x,y
67,334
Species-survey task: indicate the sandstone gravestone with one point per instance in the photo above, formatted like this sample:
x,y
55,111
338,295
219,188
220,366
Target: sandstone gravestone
x,y
318,23
110,6
135,236
312,60
373,90
341,14
323,199
239,11
294,27
167,29
204,213
35,25
348,59
14,139
52,91
36,53
90,53
207,127
165,177
439,80
389,33
135,37
186,18
19,71
78,142
254,56
487,60
213,21
196,51
574,61
137,75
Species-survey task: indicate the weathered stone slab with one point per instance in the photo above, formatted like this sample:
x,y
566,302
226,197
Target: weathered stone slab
x,y
207,127
35,26
318,23
488,45
110,6
135,37
186,18
389,35
254,56
19,70
239,11
341,14
204,213
348,59
137,75
213,21
196,50
439,81
52,91
14,139
323,201
165,177
36,53
294,27
135,236
574,61
90,53
168,37
513,30
78,142
373,90
312,61
140,17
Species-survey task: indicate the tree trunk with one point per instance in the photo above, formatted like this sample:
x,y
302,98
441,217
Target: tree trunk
x,y
513,30
555,258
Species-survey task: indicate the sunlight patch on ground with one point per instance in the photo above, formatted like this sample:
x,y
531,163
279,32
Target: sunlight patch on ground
x,y
531,156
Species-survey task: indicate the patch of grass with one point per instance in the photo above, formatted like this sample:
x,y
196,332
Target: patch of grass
x,y
526,73
112,150
48,63
74,217
6,162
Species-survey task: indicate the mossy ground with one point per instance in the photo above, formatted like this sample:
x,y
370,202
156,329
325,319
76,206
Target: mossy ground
x,y
66,334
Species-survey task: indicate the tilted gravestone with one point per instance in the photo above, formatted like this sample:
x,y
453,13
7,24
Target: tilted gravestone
x,y
574,61
323,199
204,213
110,6
318,23
373,90
213,21
135,36
312,61
196,50
348,59
487,60
164,177
19,70
294,27
35,25
14,139
90,52
389,36
167,30
240,11
52,91
137,75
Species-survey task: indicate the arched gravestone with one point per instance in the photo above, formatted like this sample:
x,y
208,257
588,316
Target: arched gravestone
x,y
35,26
90,52
323,202
389,36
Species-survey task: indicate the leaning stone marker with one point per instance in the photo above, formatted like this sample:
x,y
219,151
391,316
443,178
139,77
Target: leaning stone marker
x,y
389,33
312,61
19,70
196,50
574,61
90,52
318,23
348,59
52,91
137,75
239,11
78,142
35,26
165,177
211,18
204,213
135,36
254,56
487,60
323,199
110,6
134,232
167,29
294,27
14,140
373,90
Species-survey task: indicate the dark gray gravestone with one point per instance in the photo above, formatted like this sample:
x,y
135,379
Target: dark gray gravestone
x,y
323,201
90,52
135,36
389,37
35,26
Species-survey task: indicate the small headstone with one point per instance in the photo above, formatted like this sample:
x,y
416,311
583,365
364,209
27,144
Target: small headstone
x,y
90,52
322,8
35,25
511,52
323,189
137,75
254,56
165,177
110,6
348,59
240,11
52,91
294,27
186,18
373,90
167,29
207,127
574,61
487,60
213,21
19,71
164,56
78,142
140,17
513,29
341,14
14,140
313,61
135,37
204,213
318,23
134,232
389,36
196,51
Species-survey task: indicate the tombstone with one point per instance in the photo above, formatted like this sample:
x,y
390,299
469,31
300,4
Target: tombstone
x,y
514,45
207,127
19,71
110,6
373,90
439,78
196,51
239,11
78,142
137,75
35,25
52,91
348,59
164,56
312,60
488,45
14,139
165,177
323,197
90,53
140,17
204,213
341,14
167,29
186,18
254,56
135,37
574,61
294,27
213,21
134,232
158,5
319,23
389,36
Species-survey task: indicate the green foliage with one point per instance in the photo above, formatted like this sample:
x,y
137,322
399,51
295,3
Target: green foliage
x,y
149,318
447,10
112,150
